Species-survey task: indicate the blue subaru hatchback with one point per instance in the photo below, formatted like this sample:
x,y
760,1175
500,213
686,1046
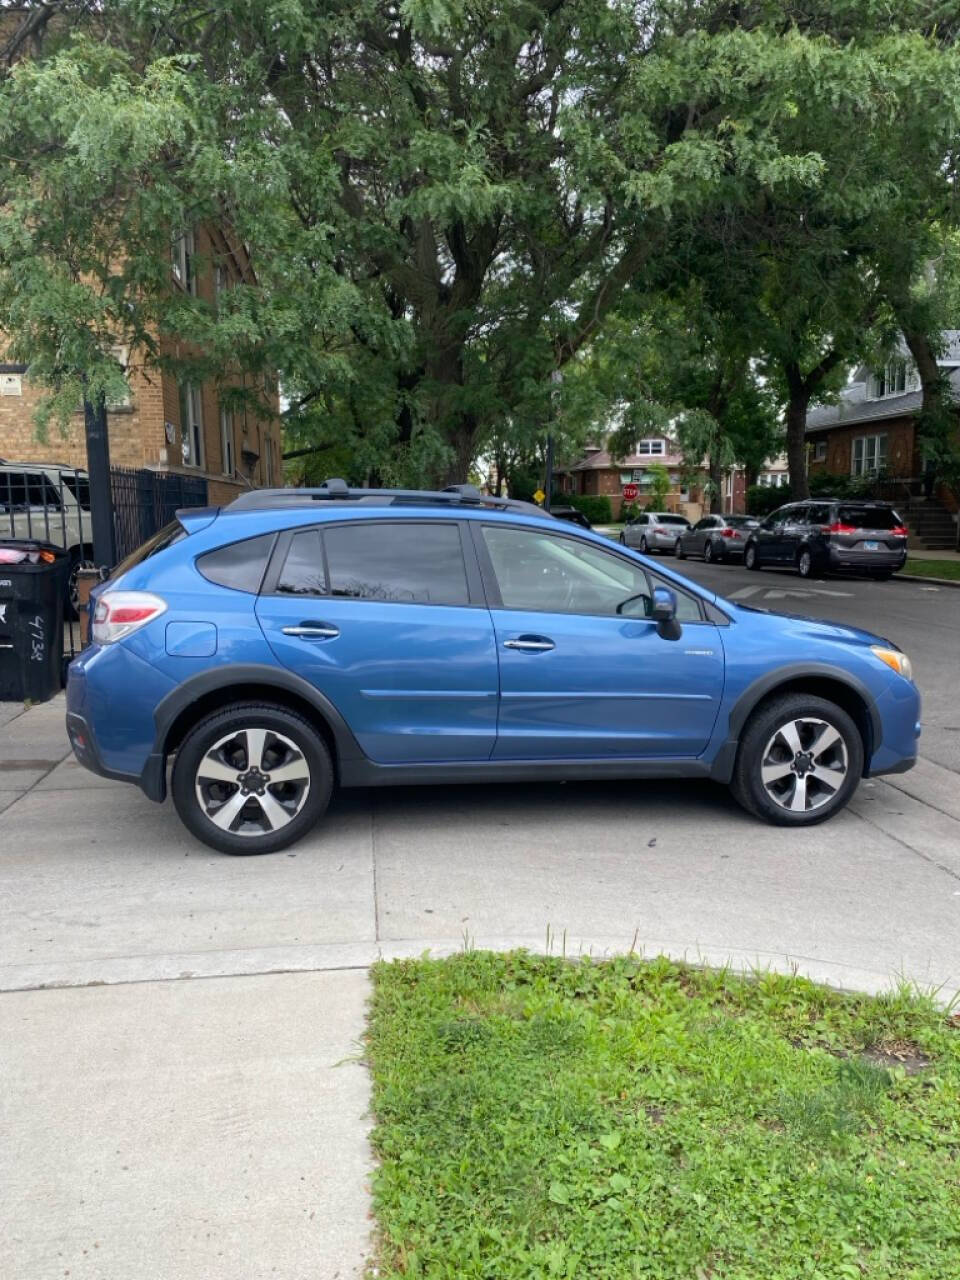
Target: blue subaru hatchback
x,y
298,640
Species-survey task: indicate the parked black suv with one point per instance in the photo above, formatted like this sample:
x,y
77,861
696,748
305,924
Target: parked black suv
x,y
834,535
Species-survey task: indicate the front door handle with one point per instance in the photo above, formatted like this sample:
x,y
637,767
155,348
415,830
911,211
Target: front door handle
x,y
313,631
530,644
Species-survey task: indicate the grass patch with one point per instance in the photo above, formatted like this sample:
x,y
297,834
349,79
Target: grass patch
x,y
933,568
629,1119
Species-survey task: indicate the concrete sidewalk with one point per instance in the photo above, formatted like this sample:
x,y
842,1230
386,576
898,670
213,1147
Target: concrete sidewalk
x,y
189,1091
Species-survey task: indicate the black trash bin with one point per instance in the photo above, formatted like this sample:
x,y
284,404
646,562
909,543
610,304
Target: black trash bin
x,y
33,579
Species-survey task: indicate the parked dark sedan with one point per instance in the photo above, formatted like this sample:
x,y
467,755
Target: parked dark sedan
x,y
716,538
831,536
572,516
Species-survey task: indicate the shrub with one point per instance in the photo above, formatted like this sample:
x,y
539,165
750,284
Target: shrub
x,y
629,511
596,509
761,500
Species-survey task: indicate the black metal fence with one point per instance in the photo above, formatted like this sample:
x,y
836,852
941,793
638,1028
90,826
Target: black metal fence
x,y
144,501
52,503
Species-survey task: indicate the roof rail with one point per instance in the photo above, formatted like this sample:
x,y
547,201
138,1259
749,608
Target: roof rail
x,y
337,490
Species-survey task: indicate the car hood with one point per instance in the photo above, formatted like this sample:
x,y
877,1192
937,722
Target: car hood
x,y
818,628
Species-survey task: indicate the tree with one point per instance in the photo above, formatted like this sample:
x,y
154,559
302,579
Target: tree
x,y
445,203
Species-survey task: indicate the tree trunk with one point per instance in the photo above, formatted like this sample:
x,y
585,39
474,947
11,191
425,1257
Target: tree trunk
x,y
797,444
716,483
935,425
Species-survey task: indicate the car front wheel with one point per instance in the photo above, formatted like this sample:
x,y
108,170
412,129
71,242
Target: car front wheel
x,y
799,762
251,778
678,550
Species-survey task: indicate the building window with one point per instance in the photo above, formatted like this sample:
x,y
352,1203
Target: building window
x,y
226,441
652,448
893,379
182,254
869,455
820,451
773,479
191,425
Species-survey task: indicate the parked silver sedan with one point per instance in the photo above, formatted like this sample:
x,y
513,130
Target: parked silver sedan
x,y
716,538
653,531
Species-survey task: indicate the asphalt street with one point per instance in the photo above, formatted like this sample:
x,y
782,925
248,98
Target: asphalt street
x,y
921,618
180,1031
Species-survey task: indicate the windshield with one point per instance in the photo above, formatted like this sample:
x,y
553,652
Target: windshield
x,y
862,516
168,535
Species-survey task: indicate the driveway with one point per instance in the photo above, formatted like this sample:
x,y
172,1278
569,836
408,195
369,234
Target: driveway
x,y
179,1030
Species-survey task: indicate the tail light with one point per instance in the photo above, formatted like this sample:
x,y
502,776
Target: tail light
x,y
729,533
120,613
839,528
899,531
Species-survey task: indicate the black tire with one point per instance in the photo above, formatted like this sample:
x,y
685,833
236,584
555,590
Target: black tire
x,y
751,560
762,727
709,554
678,550
806,564
277,721
623,541
883,577
643,545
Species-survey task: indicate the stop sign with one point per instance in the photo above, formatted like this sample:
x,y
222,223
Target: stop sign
x,y
630,492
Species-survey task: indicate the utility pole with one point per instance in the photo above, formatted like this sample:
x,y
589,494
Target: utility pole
x,y
98,470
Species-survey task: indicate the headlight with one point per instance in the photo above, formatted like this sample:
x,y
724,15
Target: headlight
x,y
894,658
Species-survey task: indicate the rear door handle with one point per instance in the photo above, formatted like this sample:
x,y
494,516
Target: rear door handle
x,y
530,644
312,631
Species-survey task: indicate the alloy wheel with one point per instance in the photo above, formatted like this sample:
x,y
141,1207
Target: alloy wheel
x,y
805,564
804,764
253,781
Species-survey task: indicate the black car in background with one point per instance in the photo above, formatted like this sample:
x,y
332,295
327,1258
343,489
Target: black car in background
x,y
572,515
831,535
716,538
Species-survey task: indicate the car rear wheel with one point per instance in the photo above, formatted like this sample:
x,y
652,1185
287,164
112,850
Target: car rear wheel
x,y
678,550
252,778
805,563
623,541
709,554
799,762
750,558
643,545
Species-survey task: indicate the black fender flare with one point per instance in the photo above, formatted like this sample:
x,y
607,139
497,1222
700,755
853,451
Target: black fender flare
x,y
153,779
768,683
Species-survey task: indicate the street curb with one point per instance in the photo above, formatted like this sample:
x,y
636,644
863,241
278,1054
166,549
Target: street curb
x,y
936,582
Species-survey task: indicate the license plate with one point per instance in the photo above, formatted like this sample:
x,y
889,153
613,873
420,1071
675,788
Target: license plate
x,y
871,546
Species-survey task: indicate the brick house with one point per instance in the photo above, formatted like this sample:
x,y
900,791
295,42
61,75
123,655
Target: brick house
x,y
597,474
164,425
871,431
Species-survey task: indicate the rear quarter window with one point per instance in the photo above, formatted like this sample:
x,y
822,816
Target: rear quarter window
x,y
239,565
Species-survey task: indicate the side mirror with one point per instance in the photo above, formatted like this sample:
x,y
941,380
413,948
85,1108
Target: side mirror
x,y
664,613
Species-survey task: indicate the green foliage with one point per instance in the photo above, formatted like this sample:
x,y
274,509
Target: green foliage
x,y
597,509
761,499
659,486
537,1117
447,203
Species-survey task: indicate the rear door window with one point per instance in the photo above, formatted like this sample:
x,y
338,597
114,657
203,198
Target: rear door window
x,y
303,572
863,516
408,563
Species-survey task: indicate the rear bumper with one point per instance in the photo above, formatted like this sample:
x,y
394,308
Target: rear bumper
x,y
841,559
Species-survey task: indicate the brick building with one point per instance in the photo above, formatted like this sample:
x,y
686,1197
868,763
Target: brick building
x,y
597,474
164,425
871,431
